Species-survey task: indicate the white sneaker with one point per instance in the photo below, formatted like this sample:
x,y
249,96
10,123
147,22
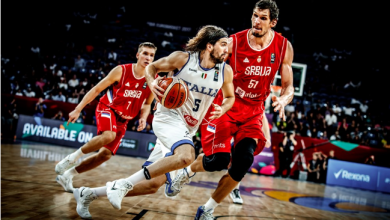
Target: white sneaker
x,y
236,196
172,188
64,165
116,190
66,183
84,196
203,214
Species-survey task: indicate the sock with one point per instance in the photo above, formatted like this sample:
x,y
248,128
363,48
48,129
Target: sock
x,y
211,204
189,171
100,191
76,155
71,172
136,177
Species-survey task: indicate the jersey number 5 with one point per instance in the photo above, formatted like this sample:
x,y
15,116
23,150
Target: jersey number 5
x,y
197,102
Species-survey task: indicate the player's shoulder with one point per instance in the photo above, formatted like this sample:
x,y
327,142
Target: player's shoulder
x,y
179,54
228,69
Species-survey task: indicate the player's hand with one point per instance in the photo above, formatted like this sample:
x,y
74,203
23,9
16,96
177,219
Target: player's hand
x,y
141,124
268,144
73,116
279,105
157,90
216,113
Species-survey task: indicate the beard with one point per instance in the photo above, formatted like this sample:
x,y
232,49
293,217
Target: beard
x,y
215,59
258,34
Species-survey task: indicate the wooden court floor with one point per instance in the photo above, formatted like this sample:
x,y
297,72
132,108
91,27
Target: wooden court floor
x,y
29,191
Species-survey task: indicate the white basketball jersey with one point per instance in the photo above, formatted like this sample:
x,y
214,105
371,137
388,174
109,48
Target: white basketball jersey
x,y
203,85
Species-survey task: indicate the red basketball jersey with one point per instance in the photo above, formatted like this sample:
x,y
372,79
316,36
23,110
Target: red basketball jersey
x,y
127,96
254,70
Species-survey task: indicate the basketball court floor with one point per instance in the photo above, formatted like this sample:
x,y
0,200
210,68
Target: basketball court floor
x,y
29,191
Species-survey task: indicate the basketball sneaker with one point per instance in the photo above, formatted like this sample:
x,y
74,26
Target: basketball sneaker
x,y
116,190
64,165
236,196
172,188
84,196
203,214
65,182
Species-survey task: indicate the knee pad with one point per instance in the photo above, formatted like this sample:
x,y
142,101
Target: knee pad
x,y
216,162
242,158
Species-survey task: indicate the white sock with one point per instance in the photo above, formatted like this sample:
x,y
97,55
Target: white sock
x,y
76,155
211,204
136,177
71,172
189,171
100,191
238,186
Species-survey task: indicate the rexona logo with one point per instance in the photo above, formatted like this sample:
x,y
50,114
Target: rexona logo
x,y
72,132
352,176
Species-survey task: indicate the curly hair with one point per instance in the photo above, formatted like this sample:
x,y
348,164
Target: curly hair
x,y
268,4
207,34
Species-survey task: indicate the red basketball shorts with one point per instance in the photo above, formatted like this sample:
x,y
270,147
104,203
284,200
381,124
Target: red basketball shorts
x,y
106,121
216,135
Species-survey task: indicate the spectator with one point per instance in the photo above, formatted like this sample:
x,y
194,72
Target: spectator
x,y
286,151
322,163
62,84
348,110
331,121
82,117
337,109
299,108
29,92
59,97
112,55
79,63
313,168
342,128
370,160
74,98
19,92
73,82
364,106
59,116
40,108
335,136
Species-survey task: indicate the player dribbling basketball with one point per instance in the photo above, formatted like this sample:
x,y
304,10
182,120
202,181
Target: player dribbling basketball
x,y
203,68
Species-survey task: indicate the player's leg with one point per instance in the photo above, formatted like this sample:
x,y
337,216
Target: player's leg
x,y
249,141
85,196
235,195
175,139
106,126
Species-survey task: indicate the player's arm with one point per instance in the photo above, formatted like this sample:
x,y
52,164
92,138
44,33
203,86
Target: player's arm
x,y
113,76
266,131
287,92
175,60
228,94
145,111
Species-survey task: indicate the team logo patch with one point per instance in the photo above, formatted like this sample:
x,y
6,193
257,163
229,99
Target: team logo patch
x,y
136,85
211,128
216,74
259,59
191,121
127,84
204,75
144,86
246,60
272,58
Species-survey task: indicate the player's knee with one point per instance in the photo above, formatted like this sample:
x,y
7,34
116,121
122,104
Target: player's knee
x,y
216,162
186,159
242,158
104,154
108,137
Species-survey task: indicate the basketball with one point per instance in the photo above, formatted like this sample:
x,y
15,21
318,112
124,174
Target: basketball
x,y
176,92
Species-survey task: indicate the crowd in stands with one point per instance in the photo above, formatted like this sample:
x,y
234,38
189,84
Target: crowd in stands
x,y
66,66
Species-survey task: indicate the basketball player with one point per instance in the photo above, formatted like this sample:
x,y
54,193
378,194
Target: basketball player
x,y
128,94
255,54
203,68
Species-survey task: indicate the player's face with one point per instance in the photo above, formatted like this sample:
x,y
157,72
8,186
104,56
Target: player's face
x,y
145,56
261,22
220,50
